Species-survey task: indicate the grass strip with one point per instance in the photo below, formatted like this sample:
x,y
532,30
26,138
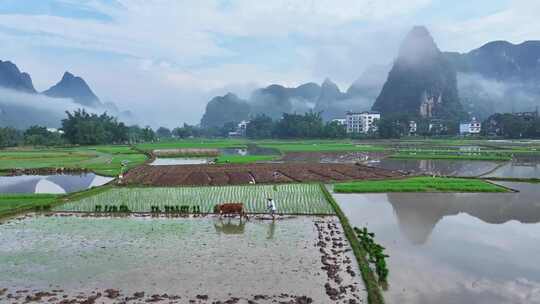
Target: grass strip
x,y
419,184
244,159
373,289
320,147
11,204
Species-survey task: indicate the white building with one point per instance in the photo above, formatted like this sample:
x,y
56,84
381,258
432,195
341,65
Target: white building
x,y
240,129
362,122
413,127
55,130
472,127
340,121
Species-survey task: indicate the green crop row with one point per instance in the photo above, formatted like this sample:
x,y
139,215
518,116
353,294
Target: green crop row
x,y
290,198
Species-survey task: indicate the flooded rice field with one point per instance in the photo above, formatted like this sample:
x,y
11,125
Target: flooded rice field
x,y
438,167
519,167
49,259
179,161
455,248
55,184
249,150
332,157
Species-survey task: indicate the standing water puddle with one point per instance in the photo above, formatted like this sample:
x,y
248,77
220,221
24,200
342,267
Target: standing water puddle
x,y
179,161
455,248
56,184
438,167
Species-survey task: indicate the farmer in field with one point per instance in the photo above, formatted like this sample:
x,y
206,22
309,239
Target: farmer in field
x,y
271,206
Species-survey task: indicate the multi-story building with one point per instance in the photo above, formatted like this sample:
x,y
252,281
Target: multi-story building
x,y
413,127
362,122
472,127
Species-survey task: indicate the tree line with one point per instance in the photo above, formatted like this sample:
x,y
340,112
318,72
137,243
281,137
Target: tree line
x,y
78,128
83,128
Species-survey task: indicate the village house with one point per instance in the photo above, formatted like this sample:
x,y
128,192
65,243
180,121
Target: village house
x,y
472,127
362,122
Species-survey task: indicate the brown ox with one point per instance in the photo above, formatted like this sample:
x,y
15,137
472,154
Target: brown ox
x,y
230,208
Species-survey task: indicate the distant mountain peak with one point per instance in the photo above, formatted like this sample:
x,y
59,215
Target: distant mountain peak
x,y
75,88
422,82
12,78
67,76
418,46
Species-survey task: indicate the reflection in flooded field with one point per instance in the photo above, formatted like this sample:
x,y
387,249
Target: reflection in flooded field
x,y
178,161
438,167
455,248
525,166
56,184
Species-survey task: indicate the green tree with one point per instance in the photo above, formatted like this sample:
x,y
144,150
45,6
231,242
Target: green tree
x,y
163,132
84,128
10,137
148,135
261,126
334,130
40,136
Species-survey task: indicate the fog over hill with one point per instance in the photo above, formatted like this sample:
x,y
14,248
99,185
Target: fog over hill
x,y
499,77
22,106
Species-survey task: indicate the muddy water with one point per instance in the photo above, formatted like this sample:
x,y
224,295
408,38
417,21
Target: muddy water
x,y
179,161
456,248
187,257
438,167
56,184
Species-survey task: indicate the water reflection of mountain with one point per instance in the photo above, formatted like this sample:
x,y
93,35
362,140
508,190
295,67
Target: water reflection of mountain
x,y
72,183
49,183
26,184
418,214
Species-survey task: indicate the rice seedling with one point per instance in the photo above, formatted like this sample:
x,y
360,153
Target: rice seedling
x,y
290,199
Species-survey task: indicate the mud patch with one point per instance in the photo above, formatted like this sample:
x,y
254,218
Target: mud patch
x,y
72,259
243,174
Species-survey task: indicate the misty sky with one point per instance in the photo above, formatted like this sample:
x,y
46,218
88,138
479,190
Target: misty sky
x,y
164,59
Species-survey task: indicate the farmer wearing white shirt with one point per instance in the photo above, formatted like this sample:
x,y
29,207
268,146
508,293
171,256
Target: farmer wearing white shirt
x,y
271,206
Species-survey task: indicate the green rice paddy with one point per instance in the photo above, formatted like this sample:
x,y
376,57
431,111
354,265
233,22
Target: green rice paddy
x,y
13,203
290,198
244,159
419,184
319,146
103,160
